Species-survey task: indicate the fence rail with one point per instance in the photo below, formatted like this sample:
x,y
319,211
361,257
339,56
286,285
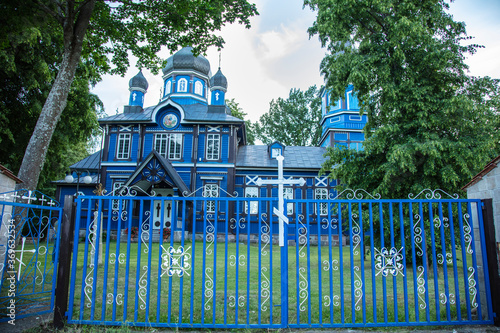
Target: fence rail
x,y
28,253
216,263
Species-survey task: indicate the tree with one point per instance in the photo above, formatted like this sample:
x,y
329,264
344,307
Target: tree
x,y
238,112
103,33
28,57
293,121
430,125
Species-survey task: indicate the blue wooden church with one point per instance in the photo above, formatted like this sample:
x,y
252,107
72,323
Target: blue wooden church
x,y
190,145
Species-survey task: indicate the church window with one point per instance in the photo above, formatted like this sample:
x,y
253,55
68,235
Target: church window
x,y
275,152
252,192
288,195
182,85
213,146
123,150
168,87
321,194
210,191
169,145
198,88
117,204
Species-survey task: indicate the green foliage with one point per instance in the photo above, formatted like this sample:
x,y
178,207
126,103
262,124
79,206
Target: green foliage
x,y
430,125
29,55
98,37
238,112
142,28
293,121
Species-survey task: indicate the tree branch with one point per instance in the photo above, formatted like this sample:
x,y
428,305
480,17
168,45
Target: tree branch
x,y
378,21
59,18
82,5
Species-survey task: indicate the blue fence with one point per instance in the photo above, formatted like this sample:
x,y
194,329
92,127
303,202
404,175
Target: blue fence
x,y
28,253
216,263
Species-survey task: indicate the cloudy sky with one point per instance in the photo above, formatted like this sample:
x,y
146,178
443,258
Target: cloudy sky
x,y
276,55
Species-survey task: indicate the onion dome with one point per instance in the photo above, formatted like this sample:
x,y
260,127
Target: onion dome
x,y
185,60
138,82
218,80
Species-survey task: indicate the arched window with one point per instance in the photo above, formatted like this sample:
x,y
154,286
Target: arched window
x,y
182,85
198,88
168,87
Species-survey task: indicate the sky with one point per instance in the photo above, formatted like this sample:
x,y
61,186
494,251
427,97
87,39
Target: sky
x,y
276,54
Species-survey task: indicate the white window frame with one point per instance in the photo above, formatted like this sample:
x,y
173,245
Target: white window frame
x,y
252,192
169,145
210,191
123,146
198,88
168,87
321,194
115,205
275,152
213,147
288,195
182,85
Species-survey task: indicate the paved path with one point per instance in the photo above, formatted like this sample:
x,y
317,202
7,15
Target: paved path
x,y
43,323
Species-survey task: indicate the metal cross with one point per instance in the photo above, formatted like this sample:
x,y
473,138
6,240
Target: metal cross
x,y
280,182
20,260
29,197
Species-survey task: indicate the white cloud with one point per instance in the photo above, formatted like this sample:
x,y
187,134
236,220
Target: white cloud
x,y
276,54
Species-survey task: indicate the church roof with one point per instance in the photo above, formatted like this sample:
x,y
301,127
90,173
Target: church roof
x,y
192,113
90,163
138,81
295,157
185,60
165,164
218,80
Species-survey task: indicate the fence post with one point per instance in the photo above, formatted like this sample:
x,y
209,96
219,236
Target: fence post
x,y
63,269
494,277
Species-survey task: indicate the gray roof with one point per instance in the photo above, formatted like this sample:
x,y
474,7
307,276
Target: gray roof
x,y
218,80
167,166
295,157
139,81
90,163
192,113
185,60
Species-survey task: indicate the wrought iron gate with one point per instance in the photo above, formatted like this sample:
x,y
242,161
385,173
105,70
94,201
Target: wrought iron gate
x,y
28,253
215,262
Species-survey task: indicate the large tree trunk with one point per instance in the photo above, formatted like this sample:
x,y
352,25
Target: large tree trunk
x,y
74,31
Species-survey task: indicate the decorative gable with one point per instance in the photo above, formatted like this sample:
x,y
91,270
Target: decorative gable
x,y
276,149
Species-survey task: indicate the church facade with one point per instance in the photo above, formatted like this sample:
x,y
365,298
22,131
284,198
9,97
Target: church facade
x,y
190,145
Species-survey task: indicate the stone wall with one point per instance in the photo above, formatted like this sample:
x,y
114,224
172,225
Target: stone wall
x,y
488,187
7,184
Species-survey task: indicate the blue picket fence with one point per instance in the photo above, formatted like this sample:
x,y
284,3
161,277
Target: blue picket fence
x,y
215,263
29,238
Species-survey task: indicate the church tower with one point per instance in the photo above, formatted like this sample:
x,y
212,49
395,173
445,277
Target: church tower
x,y
342,125
186,78
218,86
138,86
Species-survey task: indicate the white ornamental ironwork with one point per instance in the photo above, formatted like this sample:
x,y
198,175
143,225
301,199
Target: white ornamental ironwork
x,y
419,238
175,261
209,283
432,194
358,282
389,261
358,194
29,197
265,283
